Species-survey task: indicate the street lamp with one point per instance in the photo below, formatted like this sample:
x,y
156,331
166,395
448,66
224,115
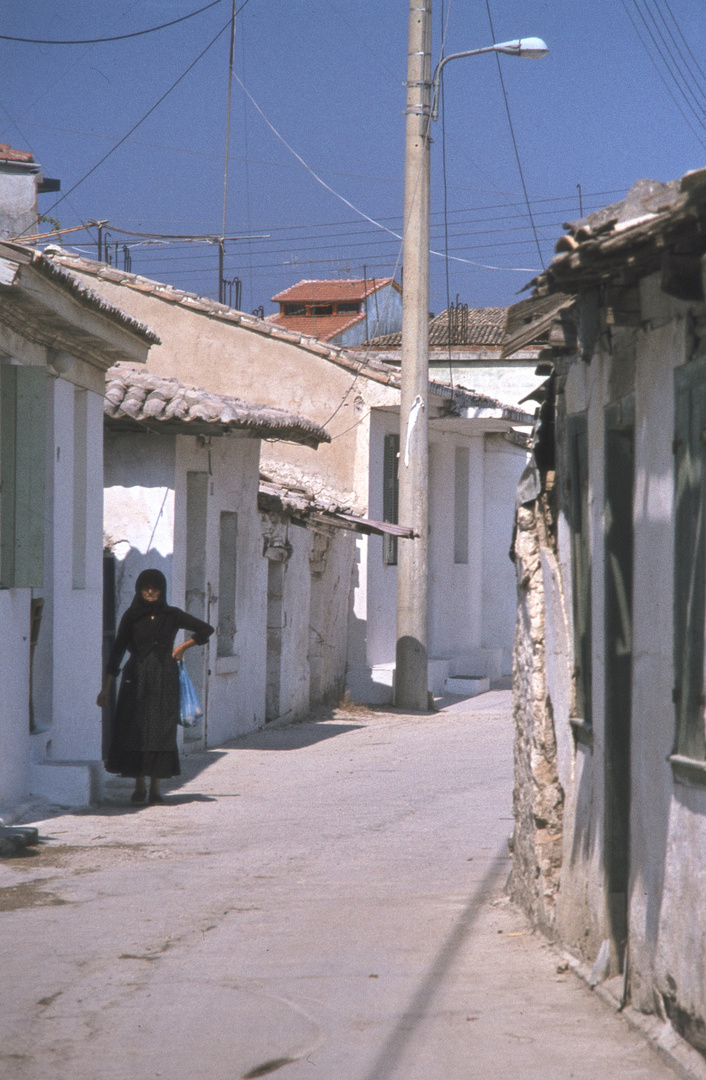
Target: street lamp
x,y
532,48
412,658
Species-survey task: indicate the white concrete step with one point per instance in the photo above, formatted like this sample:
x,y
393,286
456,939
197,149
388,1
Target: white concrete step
x,y
467,685
68,783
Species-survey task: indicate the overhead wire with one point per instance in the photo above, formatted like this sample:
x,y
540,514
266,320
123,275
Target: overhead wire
x,y
694,75
146,115
661,77
347,202
514,140
675,69
143,118
686,43
116,37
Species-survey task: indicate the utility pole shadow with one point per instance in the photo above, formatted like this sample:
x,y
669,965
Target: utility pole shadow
x,y
398,1040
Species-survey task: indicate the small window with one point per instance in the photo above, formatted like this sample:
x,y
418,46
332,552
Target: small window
x,y
322,309
390,496
348,307
293,309
226,583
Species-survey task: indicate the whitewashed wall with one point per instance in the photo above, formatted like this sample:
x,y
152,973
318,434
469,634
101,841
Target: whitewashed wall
x,y
146,524
667,923
60,759
502,468
460,642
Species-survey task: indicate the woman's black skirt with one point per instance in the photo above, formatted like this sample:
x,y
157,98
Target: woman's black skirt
x,y
144,729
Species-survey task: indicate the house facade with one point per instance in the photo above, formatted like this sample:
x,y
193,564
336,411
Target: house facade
x,y
21,180
344,312
610,791
477,456
466,349
57,338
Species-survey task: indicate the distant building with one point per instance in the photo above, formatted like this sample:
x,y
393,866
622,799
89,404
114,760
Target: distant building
x,y
342,312
476,457
466,348
21,180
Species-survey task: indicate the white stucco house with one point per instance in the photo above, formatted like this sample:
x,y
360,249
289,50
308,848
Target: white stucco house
x,y
57,338
340,311
610,831
181,495
468,347
477,456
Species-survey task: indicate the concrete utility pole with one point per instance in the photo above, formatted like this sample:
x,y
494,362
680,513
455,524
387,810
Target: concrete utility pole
x,y
411,676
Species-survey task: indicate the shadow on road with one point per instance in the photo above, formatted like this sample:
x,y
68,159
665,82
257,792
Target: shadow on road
x,y
292,737
389,1057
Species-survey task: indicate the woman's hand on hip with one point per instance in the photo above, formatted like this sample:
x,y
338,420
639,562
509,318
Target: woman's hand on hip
x,y
178,653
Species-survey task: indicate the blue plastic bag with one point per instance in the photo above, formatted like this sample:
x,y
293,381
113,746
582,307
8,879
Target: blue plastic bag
x,y
190,711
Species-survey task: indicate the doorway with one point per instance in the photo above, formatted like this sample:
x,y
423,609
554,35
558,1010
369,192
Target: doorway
x,y
275,624
619,480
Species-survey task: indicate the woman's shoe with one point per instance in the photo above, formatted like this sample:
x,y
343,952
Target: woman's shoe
x,y
138,795
155,797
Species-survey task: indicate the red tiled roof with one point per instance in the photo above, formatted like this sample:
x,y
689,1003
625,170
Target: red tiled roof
x,y
8,154
323,327
327,291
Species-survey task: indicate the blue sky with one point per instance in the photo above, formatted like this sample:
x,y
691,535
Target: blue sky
x,y
328,75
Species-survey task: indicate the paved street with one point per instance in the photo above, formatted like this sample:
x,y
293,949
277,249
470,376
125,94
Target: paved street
x,y
320,902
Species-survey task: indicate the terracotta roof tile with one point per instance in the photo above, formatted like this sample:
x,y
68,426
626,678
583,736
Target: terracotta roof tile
x,y
323,327
138,398
8,154
326,291
469,326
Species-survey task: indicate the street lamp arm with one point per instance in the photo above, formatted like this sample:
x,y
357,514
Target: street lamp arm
x,y
530,48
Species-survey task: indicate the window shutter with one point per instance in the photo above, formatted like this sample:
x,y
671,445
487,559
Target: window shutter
x,y
23,392
689,555
580,564
390,496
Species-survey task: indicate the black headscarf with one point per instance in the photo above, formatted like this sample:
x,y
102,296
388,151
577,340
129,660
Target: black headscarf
x,y
139,607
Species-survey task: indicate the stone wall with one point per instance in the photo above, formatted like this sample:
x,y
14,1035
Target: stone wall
x,y
538,796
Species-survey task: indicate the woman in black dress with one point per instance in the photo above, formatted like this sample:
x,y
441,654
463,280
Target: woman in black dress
x,y
144,729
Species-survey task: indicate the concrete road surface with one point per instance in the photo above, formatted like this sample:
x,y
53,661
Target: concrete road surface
x,y
322,901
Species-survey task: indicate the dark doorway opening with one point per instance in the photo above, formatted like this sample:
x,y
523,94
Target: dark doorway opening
x,y
620,478
109,610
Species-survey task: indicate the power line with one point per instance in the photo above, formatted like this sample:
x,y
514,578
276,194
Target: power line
x,y
514,140
142,120
662,79
117,37
686,43
685,90
677,46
